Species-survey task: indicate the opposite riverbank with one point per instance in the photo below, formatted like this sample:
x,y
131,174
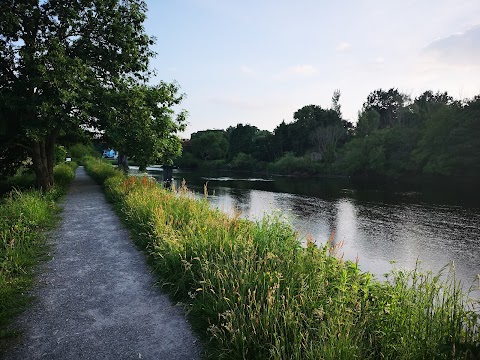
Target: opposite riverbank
x,y
254,292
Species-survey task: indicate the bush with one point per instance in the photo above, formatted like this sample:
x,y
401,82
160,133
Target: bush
x,y
244,162
101,170
63,174
79,151
187,161
23,179
291,164
60,154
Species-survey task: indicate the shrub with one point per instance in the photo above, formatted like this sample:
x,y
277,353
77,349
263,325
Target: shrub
x,y
60,154
101,170
63,174
244,162
291,164
187,160
79,151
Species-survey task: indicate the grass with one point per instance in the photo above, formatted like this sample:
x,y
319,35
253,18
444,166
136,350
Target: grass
x,y
253,292
24,218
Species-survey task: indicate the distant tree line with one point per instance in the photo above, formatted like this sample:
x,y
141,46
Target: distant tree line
x,y
394,136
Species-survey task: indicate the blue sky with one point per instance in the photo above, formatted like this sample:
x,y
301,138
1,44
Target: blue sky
x,y
257,62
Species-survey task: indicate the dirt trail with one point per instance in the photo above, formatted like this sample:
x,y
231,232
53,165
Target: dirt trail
x,y
96,298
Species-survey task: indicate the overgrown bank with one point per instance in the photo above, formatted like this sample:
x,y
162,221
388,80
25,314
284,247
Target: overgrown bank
x,y
254,292
24,216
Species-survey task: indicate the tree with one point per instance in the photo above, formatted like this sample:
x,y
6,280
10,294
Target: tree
x,y
308,119
387,104
56,59
241,139
368,121
141,123
336,102
210,145
325,139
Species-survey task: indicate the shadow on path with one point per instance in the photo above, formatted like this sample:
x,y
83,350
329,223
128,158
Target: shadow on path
x,y
96,299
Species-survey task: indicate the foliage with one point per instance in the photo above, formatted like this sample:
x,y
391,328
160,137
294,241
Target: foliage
x,y
64,174
23,179
388,105
79,151
210,145
142,123
291,164
101,170
241,139
60,154
187,161
435,135
255,293
58,59
244,162
368,122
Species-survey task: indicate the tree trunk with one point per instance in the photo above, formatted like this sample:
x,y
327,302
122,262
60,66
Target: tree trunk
x,y
44,177
123,161
50,156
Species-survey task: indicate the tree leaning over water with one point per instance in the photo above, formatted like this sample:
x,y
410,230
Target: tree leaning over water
x,y
57,61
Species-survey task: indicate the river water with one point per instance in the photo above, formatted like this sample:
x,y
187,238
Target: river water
x,y
378,223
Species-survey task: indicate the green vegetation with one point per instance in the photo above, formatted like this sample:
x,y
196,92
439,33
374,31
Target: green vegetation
x,y
254,292
433,134
79,151
59,87
24,216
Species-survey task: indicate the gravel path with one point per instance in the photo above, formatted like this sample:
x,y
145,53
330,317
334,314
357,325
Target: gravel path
x,y
96,298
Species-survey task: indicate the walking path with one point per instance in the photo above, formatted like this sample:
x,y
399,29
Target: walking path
x,y
96,298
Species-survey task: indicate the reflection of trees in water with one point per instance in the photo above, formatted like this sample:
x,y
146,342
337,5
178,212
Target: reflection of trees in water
x,y
310,215
319,187
241,199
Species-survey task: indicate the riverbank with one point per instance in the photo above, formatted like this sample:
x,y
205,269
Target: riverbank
x,y
25,216
254,292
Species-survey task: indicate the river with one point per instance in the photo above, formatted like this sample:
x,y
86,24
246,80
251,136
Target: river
x,y
380,224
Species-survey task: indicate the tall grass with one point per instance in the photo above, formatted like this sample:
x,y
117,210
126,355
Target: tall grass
x,y
254,292
24,216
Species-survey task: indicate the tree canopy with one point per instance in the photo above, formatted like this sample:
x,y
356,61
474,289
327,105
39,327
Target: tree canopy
x,y
60,63
394,136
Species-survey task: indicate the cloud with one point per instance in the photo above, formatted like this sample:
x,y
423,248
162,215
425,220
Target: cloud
x,y
304,69
379,60
246,70
343,46
459,49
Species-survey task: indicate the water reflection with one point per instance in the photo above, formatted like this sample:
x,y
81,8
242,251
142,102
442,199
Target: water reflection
x,y
376,223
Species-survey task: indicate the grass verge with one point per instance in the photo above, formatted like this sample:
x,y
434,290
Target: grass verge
x,y
253,292
24,217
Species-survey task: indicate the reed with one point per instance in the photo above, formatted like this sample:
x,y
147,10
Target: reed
x,y
253,292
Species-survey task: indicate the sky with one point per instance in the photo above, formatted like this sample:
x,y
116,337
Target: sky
x,y
258,61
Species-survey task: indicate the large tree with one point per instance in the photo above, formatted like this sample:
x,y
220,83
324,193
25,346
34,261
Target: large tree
x,y
210,144
142,124
388,105
56,59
